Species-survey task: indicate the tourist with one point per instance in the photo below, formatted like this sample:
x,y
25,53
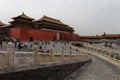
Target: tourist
x,y
1,44
19,46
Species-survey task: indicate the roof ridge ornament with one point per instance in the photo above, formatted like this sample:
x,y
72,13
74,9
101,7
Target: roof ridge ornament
x,y
23,13
44,15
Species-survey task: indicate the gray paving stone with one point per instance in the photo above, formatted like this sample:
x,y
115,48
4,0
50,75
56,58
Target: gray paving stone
x,y
97,70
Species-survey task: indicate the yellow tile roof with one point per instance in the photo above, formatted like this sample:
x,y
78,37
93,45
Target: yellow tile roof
x,y
112,35
1,23
46,18
23,16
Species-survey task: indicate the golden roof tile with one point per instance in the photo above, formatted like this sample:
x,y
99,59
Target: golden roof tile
x,y
23,16
46,18
112,35
2,24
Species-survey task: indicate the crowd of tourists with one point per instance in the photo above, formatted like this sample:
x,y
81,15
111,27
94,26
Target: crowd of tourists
x,y
44,46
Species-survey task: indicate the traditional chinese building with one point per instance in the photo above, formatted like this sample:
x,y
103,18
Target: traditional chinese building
x,y
101,37
25,28
106,36
111,36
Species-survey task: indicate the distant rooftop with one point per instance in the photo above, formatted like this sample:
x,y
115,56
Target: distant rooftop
x,y
112,35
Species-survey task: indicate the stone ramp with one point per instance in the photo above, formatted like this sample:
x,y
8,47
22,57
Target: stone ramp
x,y
98,69
102,67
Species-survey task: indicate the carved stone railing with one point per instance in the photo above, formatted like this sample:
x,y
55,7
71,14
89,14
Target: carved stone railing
x,y
16,61
104,51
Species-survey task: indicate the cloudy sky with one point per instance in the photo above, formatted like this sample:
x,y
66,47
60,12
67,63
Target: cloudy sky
x,y
87,17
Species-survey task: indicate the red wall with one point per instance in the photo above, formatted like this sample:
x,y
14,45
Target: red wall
x,y
70,36
25,34
42,35
15,33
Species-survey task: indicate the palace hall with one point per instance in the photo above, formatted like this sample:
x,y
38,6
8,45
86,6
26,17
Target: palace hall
x,y
25,28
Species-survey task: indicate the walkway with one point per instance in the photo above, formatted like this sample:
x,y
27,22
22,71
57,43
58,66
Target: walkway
x,y
99,69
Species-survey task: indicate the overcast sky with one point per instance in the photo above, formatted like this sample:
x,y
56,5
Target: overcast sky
x,y
87,17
